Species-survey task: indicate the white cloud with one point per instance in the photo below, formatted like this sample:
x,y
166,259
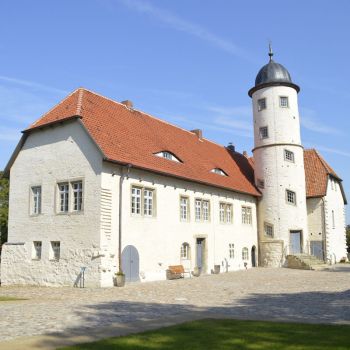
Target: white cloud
x,y
190,28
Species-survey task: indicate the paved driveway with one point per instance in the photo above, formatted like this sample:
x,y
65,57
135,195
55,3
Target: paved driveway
x,y
260,293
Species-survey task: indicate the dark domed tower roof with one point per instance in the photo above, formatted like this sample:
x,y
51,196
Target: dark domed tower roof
x,y
272,74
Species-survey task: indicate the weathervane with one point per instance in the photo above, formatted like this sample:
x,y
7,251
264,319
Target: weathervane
x,y
270,50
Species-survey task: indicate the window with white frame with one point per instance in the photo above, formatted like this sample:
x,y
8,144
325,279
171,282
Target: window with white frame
x,y
291,197
246,215
284,102
333,219
185,251
264,132
55,250
77,188
218,171
231,250
268,229
63,197
225,213
136,200
261,104
147,202
142,201
205,208
36,200
198,209
184,208
36,254
289,155
245,254
167,155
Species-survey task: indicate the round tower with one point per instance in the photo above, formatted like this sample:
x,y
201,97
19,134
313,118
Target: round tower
x,y
279,165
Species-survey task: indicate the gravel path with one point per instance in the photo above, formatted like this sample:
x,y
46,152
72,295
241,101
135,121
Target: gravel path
x,y
260,293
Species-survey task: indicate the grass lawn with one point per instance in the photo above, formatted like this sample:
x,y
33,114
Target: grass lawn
x,y
231,335
3,298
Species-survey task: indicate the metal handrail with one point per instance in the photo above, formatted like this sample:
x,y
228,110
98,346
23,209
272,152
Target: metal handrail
x,y
80,278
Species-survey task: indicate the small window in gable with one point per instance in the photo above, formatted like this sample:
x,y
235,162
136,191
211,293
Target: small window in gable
x,y
218,171
167,155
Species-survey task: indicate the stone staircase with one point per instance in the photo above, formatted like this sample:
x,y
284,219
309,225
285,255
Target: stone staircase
x,y
305,262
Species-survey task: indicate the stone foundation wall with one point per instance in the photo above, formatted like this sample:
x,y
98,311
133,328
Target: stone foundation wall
x,y
271,253
18,268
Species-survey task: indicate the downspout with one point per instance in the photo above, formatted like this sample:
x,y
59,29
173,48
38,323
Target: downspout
x,y
121,180
324,228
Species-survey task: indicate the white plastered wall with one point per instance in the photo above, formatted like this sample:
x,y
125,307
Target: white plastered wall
x,y
57,154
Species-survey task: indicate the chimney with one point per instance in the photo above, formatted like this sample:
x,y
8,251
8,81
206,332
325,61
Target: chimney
x,y
231,147
128,104
245,154
198,132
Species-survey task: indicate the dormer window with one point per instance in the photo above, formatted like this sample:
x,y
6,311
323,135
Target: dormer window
x,y
218,171
167,155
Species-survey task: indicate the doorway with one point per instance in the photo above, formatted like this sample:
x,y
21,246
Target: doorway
x,y
295,242
131,264
253,256
316,248
200,254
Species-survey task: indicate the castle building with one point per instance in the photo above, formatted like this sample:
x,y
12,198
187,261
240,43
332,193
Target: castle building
x,y
97,185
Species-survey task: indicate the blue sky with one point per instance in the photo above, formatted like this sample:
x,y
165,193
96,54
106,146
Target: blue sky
x,y
190,62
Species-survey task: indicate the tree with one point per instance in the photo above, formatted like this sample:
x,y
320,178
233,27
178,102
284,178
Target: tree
x,y
4,208
348,237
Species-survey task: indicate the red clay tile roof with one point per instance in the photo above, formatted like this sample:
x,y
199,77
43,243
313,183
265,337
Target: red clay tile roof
x,y
316,173
132,137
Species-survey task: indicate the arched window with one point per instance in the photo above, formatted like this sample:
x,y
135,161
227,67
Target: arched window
x,y
185,251
245,253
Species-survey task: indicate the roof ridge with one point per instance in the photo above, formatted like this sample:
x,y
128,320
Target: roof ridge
x,y
54,107
152,116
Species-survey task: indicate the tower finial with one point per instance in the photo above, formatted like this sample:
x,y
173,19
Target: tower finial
x,y
270,50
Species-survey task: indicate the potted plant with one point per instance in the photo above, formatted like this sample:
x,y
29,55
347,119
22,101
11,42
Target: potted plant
x,y
119,279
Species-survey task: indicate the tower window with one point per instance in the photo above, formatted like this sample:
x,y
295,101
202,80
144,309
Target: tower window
x,y
268,229
291,197
284,102
264,132
261,104
261,183
289,155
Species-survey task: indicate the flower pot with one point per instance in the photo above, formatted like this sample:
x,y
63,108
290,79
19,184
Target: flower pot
x,y
216,269
119,280
196,271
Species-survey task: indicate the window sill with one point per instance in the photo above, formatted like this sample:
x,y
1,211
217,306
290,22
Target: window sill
x,y
54,260
36,259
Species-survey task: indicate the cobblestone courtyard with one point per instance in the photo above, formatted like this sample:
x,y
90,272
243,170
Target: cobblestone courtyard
x,y
260,293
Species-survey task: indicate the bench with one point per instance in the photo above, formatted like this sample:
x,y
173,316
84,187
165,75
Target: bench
x,y
176,271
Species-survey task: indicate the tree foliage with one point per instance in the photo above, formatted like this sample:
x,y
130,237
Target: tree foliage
x,y
4,207
348,237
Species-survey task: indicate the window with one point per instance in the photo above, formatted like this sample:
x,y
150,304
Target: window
x,y
284,102
142,201
148,202
225,213
64,197
289,155
77,195
333,220
261,183
36,200
184,209
36,255
261,104
55,250
291,197
205,206
245,253
264,133
218,171
198,209
167,155
136,200
185,251
246,215
231,250
268,229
